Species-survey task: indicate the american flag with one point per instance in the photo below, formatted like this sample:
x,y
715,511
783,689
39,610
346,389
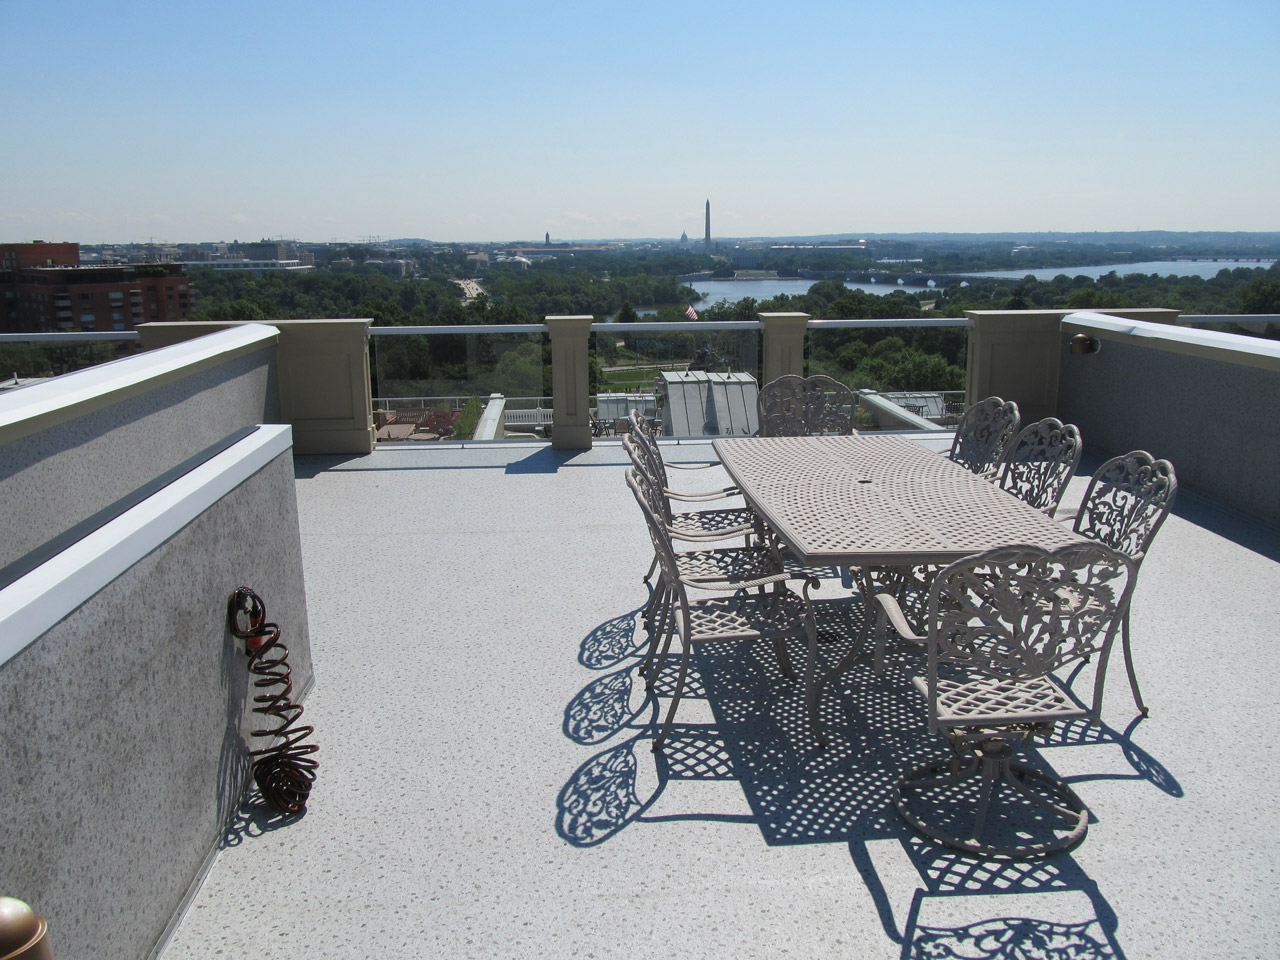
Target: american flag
x,y
691,313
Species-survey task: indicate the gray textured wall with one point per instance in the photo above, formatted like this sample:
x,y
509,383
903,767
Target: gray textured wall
x,y
1218,423
71,471
125,727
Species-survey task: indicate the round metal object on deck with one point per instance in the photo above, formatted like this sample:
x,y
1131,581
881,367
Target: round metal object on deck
x,y
23,932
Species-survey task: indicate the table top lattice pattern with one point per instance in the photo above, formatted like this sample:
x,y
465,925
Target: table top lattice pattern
x,y
870,500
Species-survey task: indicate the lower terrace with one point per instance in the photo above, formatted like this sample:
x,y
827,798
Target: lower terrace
x,y
463,625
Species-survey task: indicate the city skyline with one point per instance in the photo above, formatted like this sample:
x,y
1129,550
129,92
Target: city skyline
x,y
399,120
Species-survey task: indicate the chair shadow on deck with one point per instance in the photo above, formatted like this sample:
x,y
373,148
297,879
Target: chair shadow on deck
x,y
798,794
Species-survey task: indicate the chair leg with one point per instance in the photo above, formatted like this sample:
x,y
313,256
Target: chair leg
x,y
652,566
1128,665
675,699
658,628
653,597
657,669
812,688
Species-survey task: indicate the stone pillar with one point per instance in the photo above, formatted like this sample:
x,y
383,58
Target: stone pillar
x,y
783,344
323,373
1016,355
570,391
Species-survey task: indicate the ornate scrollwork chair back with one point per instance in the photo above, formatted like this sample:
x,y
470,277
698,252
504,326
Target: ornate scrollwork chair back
x,y
1020,613
1127,501
1124,506
794,406
1041,462
984,434
1000,624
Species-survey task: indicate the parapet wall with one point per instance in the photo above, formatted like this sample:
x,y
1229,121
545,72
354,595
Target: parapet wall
x,y
75,445
1203,400
125,701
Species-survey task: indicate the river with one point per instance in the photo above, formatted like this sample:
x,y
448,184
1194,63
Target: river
x,y
731,291
1164,268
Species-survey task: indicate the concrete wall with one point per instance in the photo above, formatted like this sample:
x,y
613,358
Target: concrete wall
x,y
127,725
323,388
67,452
125,710
1205,402
1015,354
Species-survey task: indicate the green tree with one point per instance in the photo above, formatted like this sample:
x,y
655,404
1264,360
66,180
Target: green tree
x,y
1261,296
627,313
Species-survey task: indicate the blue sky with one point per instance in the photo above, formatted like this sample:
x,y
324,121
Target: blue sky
x,y
502,121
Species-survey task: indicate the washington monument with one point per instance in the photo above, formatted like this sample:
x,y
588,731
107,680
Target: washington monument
x,y
706,241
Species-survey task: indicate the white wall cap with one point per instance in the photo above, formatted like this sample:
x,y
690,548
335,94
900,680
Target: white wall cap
x,y
83,386
1234,342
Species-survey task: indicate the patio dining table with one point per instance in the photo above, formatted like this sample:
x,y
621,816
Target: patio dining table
x,y
876,501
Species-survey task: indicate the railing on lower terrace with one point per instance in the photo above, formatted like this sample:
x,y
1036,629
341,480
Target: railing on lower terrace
x,y
441,383
909,374
28,357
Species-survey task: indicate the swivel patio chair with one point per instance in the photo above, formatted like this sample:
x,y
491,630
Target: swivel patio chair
x,y
1124,506
1041,462
750,605
984,434
793,406
1000,624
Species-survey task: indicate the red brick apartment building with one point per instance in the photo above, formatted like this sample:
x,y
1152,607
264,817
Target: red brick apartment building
x,y
44,288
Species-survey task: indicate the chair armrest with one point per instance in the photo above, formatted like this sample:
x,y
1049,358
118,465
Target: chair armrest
x,y
728,533
689,466
722,494
713,583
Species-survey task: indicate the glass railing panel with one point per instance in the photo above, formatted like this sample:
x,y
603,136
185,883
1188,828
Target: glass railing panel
x,y
908,374
694,379
29,357
461,383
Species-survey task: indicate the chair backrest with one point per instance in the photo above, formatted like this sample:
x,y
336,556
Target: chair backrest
x,y
649,474
1127,501
793,406
1022,612
647,440
984,434
1041,462
662,546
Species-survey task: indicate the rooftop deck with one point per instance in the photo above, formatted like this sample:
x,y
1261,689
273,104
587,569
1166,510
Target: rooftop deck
x,y
486,787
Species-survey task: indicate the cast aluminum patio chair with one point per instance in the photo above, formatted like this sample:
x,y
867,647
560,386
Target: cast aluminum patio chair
x,y
1041,462
984,434
794,406
746,606
1124,506
644,432
715,524
699,529
1000,624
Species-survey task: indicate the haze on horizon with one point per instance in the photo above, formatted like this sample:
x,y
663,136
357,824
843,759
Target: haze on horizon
x,y
503,121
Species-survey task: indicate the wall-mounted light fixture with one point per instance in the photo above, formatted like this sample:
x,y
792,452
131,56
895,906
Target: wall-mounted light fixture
x,y
1082,343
